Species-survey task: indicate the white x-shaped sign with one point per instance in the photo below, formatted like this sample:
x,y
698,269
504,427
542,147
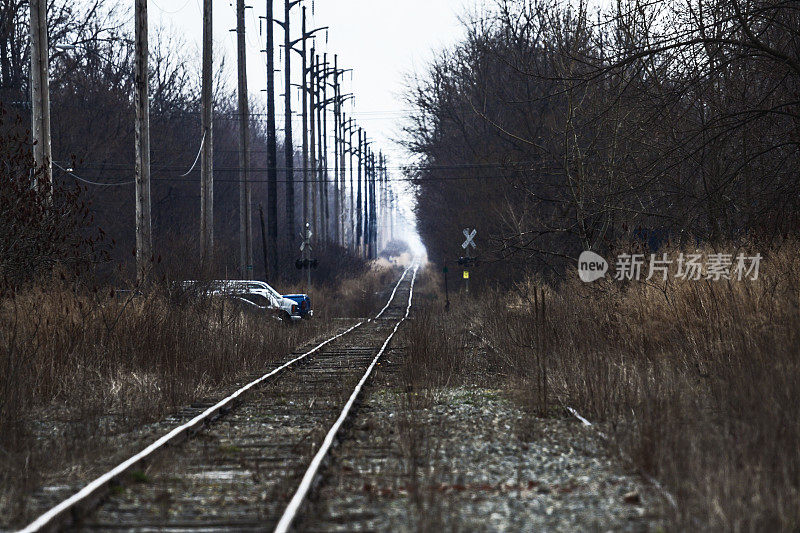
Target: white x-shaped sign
x,y
470,236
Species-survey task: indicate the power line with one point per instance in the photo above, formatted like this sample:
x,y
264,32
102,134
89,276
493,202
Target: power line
x,y
90,182
166,12
199,151
530,165
411,181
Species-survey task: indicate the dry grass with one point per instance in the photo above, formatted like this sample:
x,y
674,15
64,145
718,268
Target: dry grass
x,y
698,382
79,367
355,297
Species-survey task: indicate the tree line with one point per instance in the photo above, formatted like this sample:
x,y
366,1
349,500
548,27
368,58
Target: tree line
x,y
91,92
555,129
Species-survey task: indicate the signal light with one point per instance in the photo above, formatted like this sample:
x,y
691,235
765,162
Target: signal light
x,y
306,263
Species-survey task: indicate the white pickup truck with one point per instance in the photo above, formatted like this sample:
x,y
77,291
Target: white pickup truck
x,y
256,295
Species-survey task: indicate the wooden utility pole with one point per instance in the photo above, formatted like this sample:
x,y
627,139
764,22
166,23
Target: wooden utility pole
x,y
207,162
391,214
263,242
324,144
336,212
381,204
321,192
272,146
245,215
375,200
40,93
385,203
144,239
372,205
312,94
288,145
350,130
342,174
307,72
359,226
304,95
367,199
368,202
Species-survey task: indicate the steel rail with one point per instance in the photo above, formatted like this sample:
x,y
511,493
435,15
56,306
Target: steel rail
x,y
47,520
290,513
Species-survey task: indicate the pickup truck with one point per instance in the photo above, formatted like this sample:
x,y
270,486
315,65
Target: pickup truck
x,y
257,296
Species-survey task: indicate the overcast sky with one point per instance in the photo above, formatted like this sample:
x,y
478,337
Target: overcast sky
x,y
381,40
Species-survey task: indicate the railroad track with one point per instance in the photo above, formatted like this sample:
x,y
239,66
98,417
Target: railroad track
x,y
254,457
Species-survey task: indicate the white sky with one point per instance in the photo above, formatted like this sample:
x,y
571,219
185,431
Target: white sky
x,y
381,40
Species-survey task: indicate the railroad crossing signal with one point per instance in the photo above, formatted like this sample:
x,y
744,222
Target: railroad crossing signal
x,y
306,263
466,261
302,264
306,239
470,235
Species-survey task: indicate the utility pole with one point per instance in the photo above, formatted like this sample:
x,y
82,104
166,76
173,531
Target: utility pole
x,y
370,197
307,72
322,159
373,231
288,145
385,208
367,204
207,162
391,214
320,156
359,226
342,181
144,239
263,242
342,174
245,216
338,100
375,199
351,152
336,212
40,92
304,95
381,204
272,146
312,92
324,138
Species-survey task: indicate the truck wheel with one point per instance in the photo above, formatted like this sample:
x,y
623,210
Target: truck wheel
x,y
286,318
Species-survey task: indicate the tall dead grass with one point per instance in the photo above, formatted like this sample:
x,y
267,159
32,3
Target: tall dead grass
x,y
697,382
80,366
355,297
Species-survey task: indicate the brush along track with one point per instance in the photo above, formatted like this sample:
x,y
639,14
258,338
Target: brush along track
x,y
239,472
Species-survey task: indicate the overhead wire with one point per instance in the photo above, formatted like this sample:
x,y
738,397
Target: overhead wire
x,y
90,182
199,151
170,12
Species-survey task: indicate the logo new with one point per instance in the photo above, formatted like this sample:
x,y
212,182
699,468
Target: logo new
x,y
591,266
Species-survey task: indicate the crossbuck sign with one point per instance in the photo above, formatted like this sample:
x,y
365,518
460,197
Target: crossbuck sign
x,y
306,239
470,235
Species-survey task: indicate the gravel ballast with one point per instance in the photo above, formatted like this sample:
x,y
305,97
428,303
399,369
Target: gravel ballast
x,y
468,459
